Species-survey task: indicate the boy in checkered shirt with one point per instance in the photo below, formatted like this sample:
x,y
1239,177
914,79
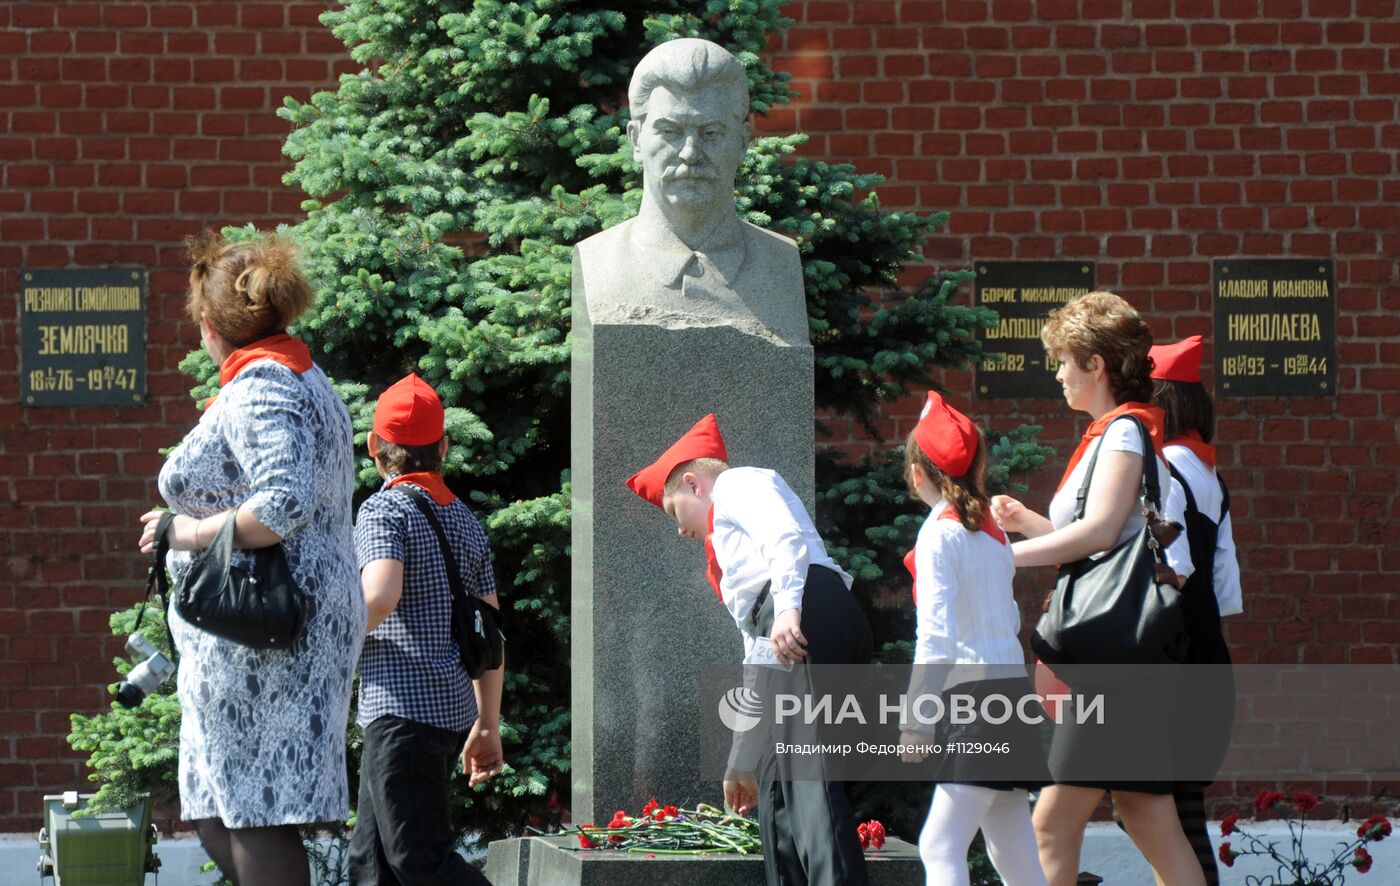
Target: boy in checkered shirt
x,y
418,707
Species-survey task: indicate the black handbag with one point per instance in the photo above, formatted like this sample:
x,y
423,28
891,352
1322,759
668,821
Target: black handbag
x,y
476,624
1123,607
258,606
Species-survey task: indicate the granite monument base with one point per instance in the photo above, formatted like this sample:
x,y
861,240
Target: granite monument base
x,y
558,861
644,620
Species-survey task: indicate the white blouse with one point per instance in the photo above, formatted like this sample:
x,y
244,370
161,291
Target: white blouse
x,y
966,613
1205,488
762,535
1123,436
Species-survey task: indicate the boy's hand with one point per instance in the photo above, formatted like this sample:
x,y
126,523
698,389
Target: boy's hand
x,y
482,757
788,642
741,792
911,737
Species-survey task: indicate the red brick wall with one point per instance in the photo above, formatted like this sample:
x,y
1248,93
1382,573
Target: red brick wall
x,y
1150,137
124,126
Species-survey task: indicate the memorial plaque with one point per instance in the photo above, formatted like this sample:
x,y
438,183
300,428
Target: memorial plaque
x,y
83,337
1023,293
1275,328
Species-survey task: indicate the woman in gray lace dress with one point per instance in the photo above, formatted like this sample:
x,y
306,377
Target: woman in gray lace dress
x,y
262,734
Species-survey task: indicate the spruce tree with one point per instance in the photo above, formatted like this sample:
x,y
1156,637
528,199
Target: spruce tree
x,y
447,182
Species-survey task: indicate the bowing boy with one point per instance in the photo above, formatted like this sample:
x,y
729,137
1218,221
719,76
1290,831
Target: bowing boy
x,y
794,607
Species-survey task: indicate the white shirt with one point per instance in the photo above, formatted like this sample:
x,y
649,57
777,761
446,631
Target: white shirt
x,y
1123,436
1205,488
763,535
966,613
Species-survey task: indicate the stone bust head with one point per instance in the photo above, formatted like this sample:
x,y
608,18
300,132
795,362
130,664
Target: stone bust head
x,y
689,130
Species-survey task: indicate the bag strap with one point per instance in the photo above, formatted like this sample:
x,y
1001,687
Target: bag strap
x,y
454,577
157,580
1224,497
1151,489
1186,488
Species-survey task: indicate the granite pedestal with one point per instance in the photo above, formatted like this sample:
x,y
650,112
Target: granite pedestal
x,y
645,621
557,861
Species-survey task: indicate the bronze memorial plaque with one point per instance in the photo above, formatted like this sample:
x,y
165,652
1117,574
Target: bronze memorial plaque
x,y
83,337
1023,293
1275,328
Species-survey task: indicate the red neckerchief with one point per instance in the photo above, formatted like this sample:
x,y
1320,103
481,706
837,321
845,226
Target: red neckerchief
x,y
280,348
431,483
1192,441
1151,416
712,571
989,526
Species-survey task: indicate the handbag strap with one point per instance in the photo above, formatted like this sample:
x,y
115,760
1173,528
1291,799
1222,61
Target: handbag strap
x,y
156,579
454,577
1151,489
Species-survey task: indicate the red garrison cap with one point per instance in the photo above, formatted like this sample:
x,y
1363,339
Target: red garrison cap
x,y
1180,361
701,441
946,436
409,413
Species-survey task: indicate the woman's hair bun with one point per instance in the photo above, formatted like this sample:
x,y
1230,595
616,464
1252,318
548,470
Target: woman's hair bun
x,y
246,290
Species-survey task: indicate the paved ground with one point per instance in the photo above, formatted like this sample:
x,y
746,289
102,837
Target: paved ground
x,y
1107,852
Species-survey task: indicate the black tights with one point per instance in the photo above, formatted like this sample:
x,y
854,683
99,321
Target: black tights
x,y
271,856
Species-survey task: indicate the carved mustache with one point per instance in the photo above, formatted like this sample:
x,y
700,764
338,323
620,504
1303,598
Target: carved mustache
x,y
689,173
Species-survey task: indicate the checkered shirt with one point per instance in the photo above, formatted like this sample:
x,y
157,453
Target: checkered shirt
x,y
410,666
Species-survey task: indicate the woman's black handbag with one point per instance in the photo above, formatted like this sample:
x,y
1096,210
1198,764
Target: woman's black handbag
x,y
1123,607
258,606
476,624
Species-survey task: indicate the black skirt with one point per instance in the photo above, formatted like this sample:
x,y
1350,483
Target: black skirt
x,y
1001,756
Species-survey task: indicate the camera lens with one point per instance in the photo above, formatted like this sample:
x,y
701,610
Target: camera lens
x,y
129,695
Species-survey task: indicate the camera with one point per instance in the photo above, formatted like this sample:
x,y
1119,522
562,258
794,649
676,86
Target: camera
x,y
152,669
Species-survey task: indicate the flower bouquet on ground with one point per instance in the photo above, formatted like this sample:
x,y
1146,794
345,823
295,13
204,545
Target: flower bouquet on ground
x,y
1294,867
669,830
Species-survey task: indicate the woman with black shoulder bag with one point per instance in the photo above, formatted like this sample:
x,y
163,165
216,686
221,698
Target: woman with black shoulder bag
x,y
267,616
1103,503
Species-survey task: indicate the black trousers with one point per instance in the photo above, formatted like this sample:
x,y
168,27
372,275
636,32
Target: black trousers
x,y
403,832
809,835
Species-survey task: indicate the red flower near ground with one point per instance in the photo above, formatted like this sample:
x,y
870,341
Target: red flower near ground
x,y
877,834
583,841
651,807
871,834
619,820
1306,801
1227,825
1227,856
1376,828
1266,799
1362,860
667,812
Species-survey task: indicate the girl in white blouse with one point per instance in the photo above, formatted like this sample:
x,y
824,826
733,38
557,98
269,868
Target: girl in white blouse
x,y
1206,707
967,644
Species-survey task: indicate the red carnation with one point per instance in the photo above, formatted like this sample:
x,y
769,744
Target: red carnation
x,y
1227,856
1227,825
1306,801
1377,828
583,841
863,832
877,833
667,812
1362,860
651,807
1266,800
